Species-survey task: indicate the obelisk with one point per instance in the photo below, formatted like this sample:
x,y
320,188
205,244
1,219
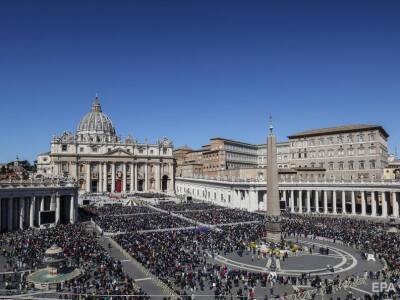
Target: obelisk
x,y
273,215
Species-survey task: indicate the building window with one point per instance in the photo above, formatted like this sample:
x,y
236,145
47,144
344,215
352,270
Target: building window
x,y
44,158
164,151
141,150
80,149
372,164
351,165
341,165
63,148
350,138
330,165
362,165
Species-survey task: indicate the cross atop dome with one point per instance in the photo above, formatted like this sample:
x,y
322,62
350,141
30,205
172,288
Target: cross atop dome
x,y
96,104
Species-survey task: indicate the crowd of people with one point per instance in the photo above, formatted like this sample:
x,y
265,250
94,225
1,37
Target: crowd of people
x,y
100,273
223,216
140,222
111,210
184,206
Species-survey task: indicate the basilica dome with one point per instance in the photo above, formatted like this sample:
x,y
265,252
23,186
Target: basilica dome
x,y
95,125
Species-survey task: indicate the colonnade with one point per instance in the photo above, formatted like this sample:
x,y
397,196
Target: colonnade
x,y
26,206
372,203
352,199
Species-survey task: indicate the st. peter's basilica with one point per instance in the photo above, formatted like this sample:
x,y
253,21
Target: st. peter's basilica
x,y
102,162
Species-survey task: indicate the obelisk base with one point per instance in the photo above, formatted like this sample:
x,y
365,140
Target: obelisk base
x,y
273,232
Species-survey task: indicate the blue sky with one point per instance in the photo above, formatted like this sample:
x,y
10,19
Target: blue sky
x,y
192,70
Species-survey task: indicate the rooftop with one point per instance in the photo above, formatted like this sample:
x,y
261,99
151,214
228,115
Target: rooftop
x,y
339,129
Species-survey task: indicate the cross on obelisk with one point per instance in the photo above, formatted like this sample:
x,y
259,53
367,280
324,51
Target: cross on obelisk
x,y
273,214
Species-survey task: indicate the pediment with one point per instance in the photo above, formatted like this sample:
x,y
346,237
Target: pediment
x,y
119,152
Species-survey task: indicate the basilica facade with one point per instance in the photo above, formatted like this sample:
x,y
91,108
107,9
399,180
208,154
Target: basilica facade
x,y
100,161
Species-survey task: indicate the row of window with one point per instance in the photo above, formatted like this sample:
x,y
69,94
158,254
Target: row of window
x,y
339,139
331,153
351,165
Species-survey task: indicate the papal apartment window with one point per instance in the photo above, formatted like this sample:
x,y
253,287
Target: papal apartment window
x,y
362,165
341,165
372,164
351,165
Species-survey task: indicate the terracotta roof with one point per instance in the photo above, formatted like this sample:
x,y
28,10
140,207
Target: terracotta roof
x,y
338,129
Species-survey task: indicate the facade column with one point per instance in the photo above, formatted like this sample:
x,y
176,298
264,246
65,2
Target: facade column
x,y
58,208
10,214
171,177
344,202
136,177
291,201
353,203
384,205
21,212
105,177
131,185
1,214
145,176
124,177
316,201
158,177
308,201
72,210
395,205
300,201
112,177
363,204
88,183
334,204
373,204
32,212
100,183
325,202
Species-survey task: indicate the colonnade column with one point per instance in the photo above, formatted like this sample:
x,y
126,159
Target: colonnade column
x,y
343,202
72,210
41,208
88,183
353,203
131,186
284,197
100,184
300,201
291,201
112,177
105,177
363,204
21,212
325,202
395,205
384,205
136,177
32,212
58,208
316,201
308,201
334,204
373,204
158,177
10,214
53,202
124,177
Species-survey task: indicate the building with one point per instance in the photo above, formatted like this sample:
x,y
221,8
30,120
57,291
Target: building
x,y
100,161
344,152
392,170
37,203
